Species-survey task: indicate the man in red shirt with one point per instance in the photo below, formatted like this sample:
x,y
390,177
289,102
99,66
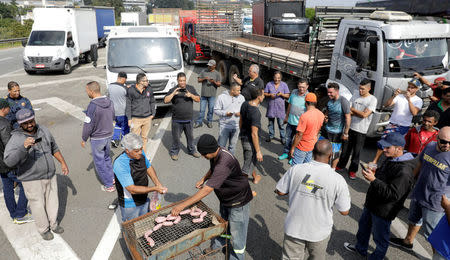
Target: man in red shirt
x,y
417,138
308,129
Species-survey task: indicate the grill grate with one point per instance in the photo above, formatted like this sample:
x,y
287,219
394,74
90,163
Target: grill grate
x,y
166,235
43,59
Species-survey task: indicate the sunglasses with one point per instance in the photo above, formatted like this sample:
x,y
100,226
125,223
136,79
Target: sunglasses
x,y
443,141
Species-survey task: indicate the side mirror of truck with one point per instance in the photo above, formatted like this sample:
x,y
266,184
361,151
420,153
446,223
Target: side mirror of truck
x,y
24,43
70,44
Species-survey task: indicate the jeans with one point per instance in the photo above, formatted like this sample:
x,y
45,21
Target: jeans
x,y
353,145
380,228
237,227
301,156
229,135
177,129
102,160
250,160
19,209
122,122
291,130
420,215
131,213
203,101
281,128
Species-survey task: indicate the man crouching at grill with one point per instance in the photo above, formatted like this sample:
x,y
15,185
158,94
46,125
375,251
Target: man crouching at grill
x,y
131,169
232,189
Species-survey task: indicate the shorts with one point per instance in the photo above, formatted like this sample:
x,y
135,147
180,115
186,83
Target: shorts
x,y
336,142
420,215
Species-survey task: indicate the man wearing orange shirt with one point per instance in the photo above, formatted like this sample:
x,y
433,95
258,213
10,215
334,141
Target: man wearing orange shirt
x,y
307,131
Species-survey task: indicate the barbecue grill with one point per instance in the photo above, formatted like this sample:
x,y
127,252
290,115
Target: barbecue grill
x,y
172,240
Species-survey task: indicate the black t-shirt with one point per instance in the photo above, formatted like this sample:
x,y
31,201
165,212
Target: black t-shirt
x,y
182,107
229,183
250,117
444,116
258,83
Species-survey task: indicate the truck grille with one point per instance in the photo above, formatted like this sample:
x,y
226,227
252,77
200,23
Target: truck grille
x,y
44,59
158,85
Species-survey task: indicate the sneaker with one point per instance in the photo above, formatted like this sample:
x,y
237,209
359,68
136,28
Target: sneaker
x,y
196,155
47,235
400,242
25,219
197,125
283,156
113,144
174,157
350,247
58,230
268,139
352,175
108,189
291,161
339,168
209,125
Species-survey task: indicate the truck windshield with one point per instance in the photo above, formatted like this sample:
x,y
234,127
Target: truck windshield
x,y
151,54
416,55
46,38
280,29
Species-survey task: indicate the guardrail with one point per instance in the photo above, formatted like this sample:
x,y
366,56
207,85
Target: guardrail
x,y
13,40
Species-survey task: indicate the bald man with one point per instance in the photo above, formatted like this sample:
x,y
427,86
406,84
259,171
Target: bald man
x,y
98,126
312,198
433,175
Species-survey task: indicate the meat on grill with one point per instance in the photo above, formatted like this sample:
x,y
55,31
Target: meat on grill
x,y
170,217
167,223
157,227
186,211
177,220
160,219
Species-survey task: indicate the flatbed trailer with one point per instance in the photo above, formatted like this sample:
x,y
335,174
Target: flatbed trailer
x,y
235,51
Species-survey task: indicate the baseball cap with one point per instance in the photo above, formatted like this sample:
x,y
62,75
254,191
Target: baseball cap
x,y
211,63
392,139
311,97
24,115
3,103
416,83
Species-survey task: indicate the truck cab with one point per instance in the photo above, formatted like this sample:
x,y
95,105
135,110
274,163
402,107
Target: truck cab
x,y
192,52
388,48
153,50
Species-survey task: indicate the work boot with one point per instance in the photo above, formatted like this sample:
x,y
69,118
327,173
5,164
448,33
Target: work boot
x,y
47,235
58,230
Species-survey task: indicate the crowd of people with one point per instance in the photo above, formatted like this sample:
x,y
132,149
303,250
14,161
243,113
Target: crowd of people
x,y
320,131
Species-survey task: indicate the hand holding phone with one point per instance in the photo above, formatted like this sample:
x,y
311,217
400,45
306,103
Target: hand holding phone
x,y
363,167
37,140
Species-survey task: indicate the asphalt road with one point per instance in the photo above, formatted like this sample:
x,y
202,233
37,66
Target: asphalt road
x,y
11,60
58,100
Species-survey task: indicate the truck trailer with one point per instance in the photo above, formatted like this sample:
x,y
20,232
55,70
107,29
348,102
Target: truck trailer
x,y
133,19
346,45
60,38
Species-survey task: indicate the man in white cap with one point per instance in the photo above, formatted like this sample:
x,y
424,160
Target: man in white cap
x,y
211,80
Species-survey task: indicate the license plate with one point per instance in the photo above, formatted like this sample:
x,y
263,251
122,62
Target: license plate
x,y
40,66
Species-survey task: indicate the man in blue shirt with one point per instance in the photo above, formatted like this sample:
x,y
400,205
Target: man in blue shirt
x,y
131,170
338,125
16,103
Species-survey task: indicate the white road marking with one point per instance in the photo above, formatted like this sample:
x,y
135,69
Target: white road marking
x,y
109,238
7,58
12,72
31,245
401,230
61,81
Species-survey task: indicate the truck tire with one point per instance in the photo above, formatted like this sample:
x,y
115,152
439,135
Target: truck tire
x,y
223,67
30,72
189,53
87,57
67,67
234,69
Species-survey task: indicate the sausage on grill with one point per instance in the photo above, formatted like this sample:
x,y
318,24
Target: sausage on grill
x,y
160,219
157,227
167,223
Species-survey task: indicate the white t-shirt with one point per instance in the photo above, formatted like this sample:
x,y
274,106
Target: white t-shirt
x,y
314,189
402,115
359,124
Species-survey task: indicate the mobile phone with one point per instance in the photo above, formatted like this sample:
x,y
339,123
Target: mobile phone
x,y
363,167
182,90
37,140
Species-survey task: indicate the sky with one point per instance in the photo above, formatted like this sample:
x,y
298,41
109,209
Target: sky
x,y
313,3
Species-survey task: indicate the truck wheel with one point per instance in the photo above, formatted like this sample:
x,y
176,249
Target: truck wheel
x,y
188,55
67,67
87,57
30,72
234,69
223,67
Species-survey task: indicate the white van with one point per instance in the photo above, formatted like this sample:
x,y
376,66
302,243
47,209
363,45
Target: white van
x,y
154,50
60,37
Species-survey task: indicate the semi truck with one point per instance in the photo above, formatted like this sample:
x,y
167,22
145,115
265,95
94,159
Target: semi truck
x,y
60,38
133,19
153,50
346,45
